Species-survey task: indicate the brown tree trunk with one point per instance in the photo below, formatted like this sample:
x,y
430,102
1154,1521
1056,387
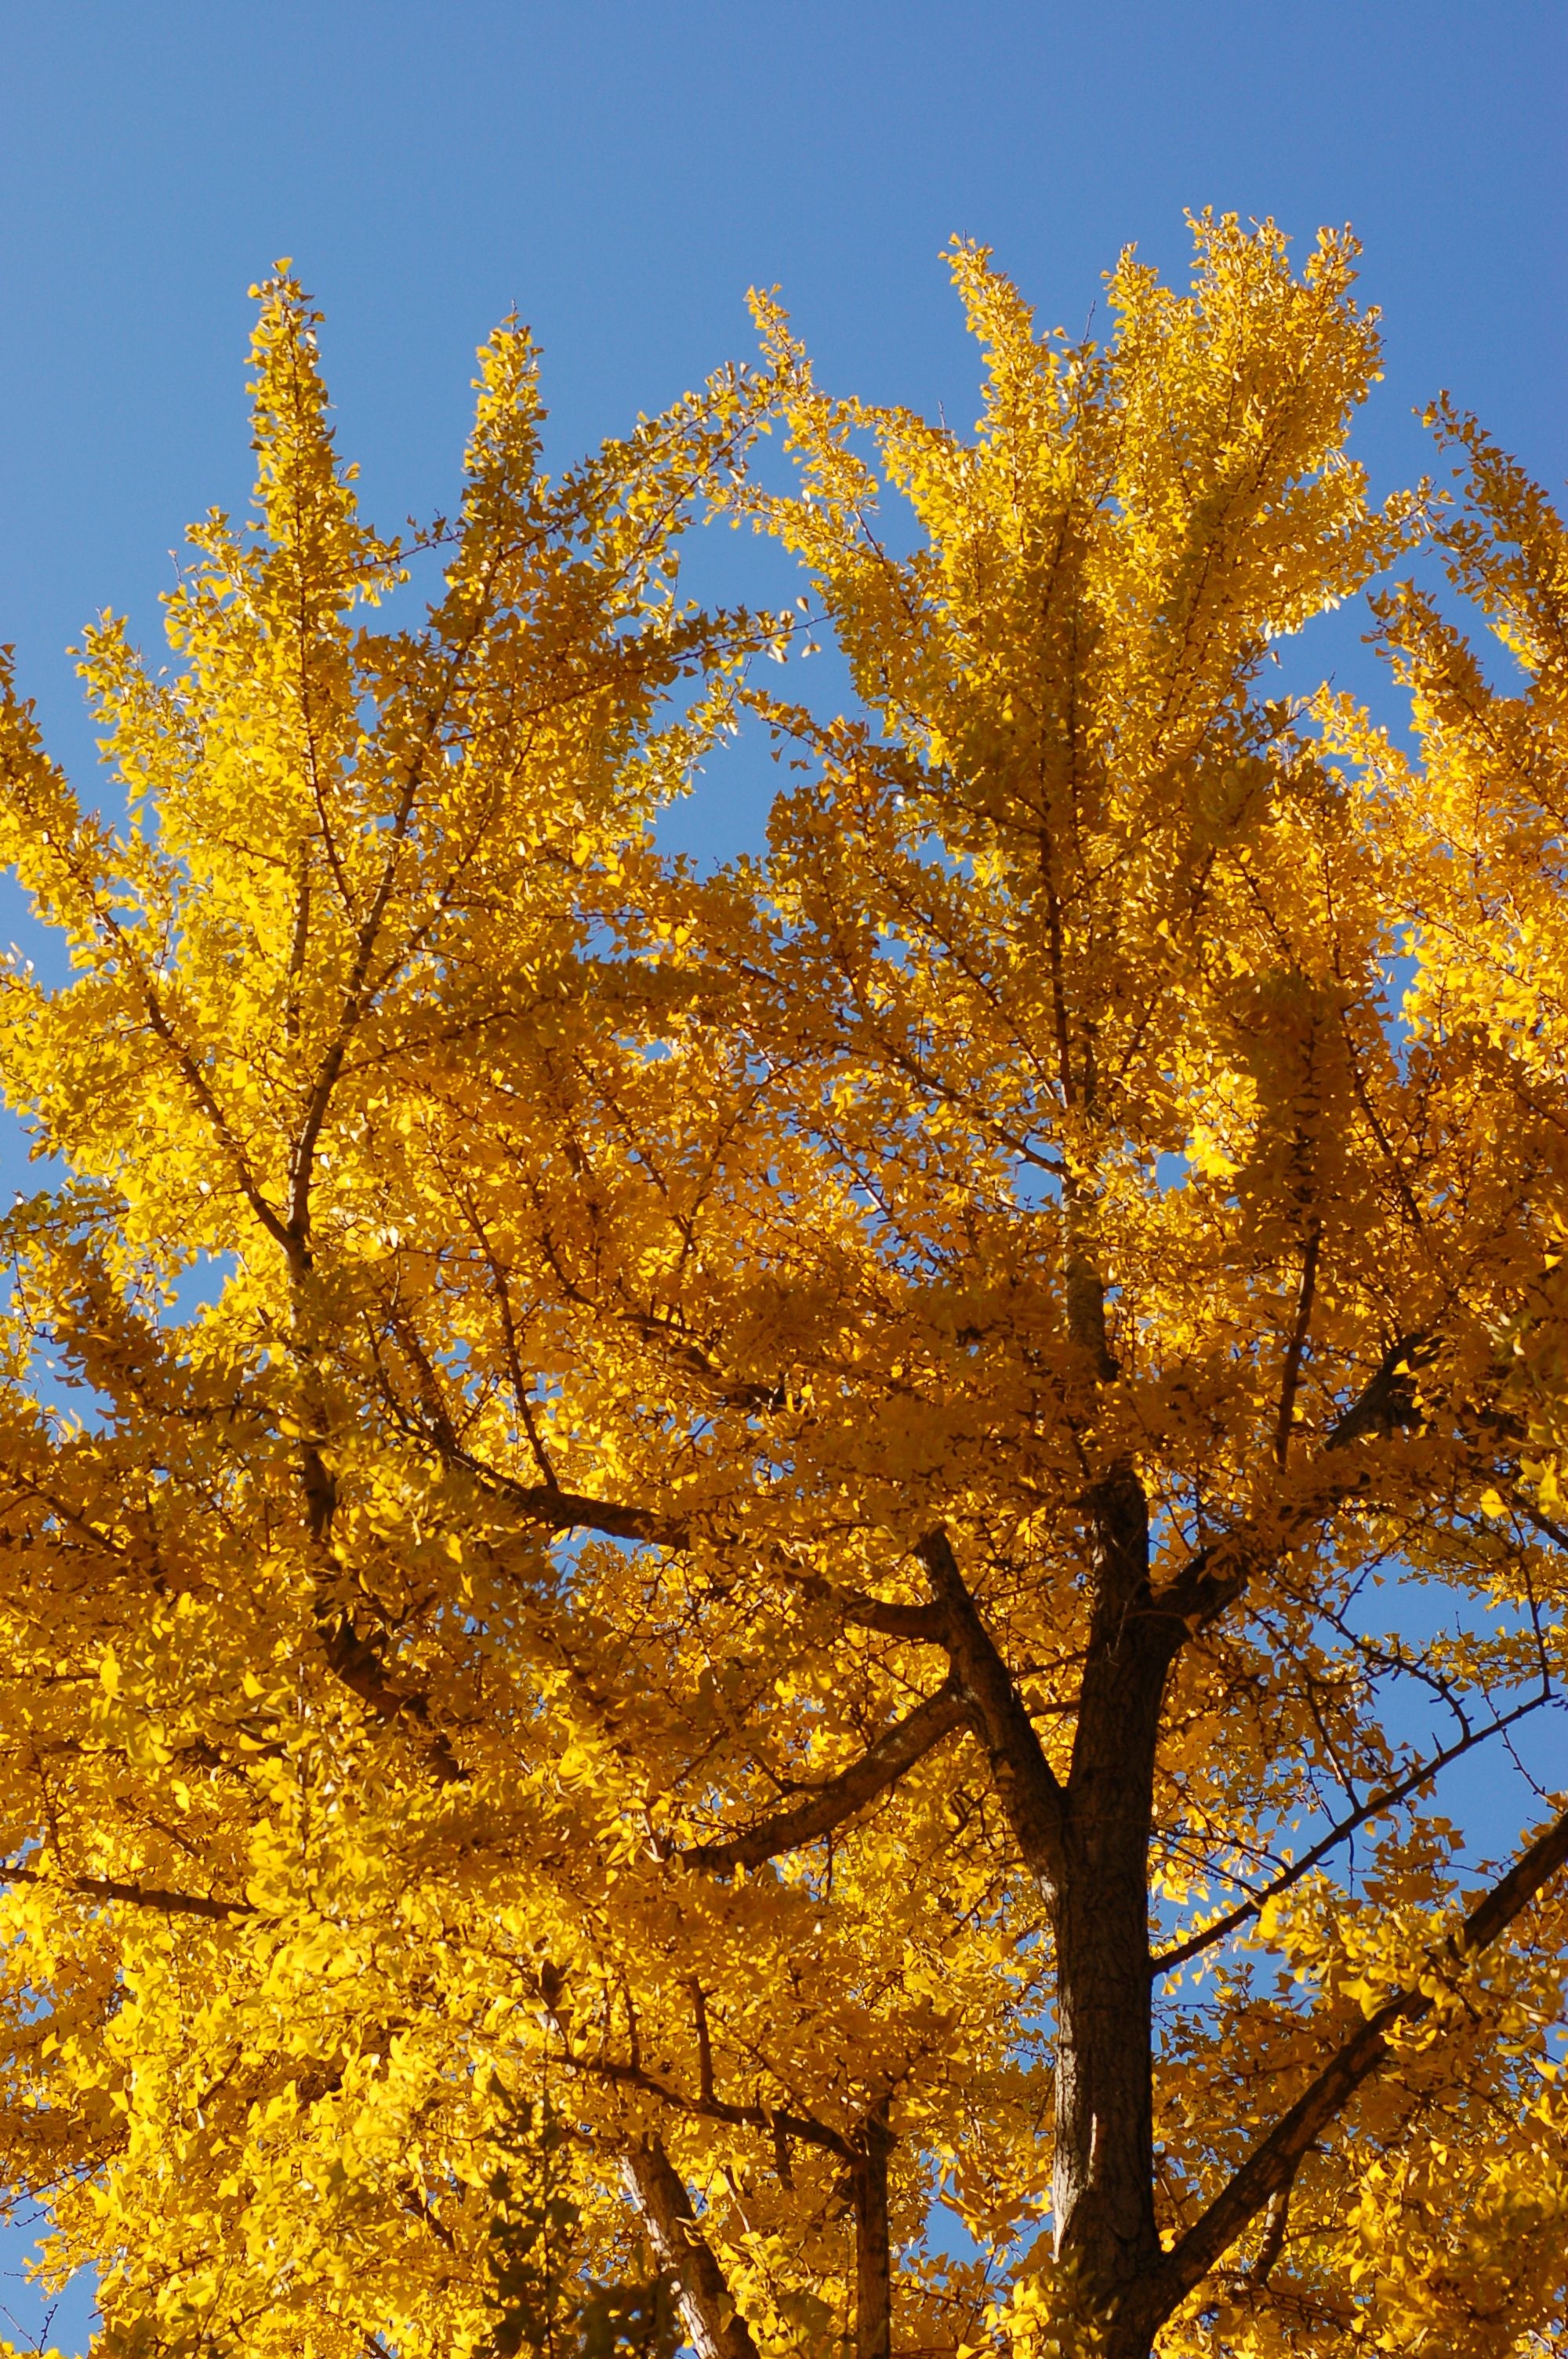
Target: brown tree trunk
x,y
873,2258
715,2328
1087,1843
1103,2193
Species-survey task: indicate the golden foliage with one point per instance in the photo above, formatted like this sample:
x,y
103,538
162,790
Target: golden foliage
x,y
501,1663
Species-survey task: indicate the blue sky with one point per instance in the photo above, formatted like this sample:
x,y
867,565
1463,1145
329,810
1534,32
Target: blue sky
x,y
621,174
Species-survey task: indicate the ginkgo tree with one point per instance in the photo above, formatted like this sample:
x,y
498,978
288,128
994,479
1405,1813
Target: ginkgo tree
x,y
797,1531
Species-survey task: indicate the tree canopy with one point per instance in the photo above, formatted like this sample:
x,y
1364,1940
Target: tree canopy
x,y
688,1559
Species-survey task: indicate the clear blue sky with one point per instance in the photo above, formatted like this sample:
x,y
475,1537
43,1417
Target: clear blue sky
x,y
622,173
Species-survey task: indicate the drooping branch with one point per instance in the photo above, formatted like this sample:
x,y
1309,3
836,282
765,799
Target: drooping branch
x,y
881,1765
1272,2164
716,2329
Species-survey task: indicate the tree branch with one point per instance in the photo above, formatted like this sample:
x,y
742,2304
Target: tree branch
x,y
926,1624
1215,1576
873,2257
1296,1350
139,1896
1025,1781
1271,2165
800,2127
716,2328
1387,1404
357,1662
1384,1800
556,1510
881,1765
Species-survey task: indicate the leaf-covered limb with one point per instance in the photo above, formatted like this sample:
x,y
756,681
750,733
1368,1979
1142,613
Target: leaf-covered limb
x,y
1387,1798
136,1896
1273,2163
881,1765
926,1623
779,2120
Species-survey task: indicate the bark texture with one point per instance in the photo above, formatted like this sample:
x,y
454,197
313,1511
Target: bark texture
x,y
1103,2190
715,2328
873,2260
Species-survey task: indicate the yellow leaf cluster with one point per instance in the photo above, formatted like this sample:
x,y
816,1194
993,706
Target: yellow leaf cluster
x,y
545,1668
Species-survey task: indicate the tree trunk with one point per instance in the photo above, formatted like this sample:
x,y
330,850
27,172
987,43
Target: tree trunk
x,y
1088,1845
873,2262
715,2328
1104,2180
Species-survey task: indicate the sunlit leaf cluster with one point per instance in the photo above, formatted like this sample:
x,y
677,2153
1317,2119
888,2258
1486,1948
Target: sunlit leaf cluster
x,y
588,1450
